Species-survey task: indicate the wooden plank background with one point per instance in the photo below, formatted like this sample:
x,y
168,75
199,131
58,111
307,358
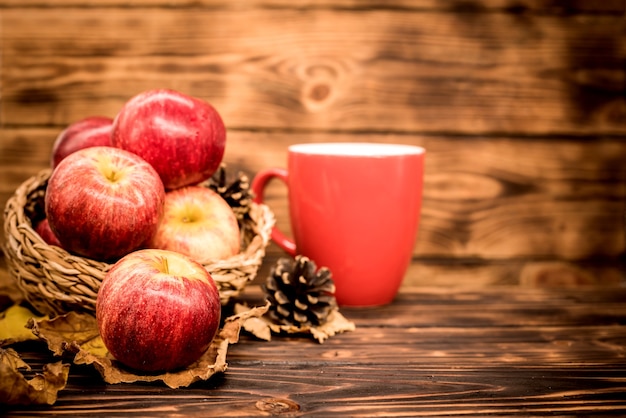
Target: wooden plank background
x,y
520,104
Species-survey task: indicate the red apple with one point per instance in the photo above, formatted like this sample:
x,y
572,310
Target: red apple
x,y
181,136
92,131
199,223
104,202
45,232
157,310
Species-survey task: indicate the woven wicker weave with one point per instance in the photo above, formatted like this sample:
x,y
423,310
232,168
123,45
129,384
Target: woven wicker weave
x,y
56,282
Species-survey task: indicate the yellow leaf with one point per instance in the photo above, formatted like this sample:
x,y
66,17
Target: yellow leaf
x,y
13,325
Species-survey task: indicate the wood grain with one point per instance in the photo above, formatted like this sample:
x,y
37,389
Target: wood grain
x,y
434,351
447,271
326,69
510,6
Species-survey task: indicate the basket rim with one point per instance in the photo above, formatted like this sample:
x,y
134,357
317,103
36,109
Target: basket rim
x,y
32,183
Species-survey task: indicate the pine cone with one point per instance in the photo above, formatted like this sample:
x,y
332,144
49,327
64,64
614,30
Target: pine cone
x,y
237,193
299,294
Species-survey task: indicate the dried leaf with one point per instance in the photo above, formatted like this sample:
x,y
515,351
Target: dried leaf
x,y
336,324
263,327
258,327
13,323
78,333
15,389
73,327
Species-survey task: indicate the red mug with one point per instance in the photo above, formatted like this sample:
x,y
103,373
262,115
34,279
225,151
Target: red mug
x,y
354,208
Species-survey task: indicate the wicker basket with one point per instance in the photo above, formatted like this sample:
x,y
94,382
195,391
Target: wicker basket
x,y
56,282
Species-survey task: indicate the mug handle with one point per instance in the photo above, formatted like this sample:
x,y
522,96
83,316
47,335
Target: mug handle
x,y
258,185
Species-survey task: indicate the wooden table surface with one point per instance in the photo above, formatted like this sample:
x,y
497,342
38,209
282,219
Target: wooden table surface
x,y
434,351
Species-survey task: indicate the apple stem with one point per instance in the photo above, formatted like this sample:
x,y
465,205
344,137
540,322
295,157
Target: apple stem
x,y
165,265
